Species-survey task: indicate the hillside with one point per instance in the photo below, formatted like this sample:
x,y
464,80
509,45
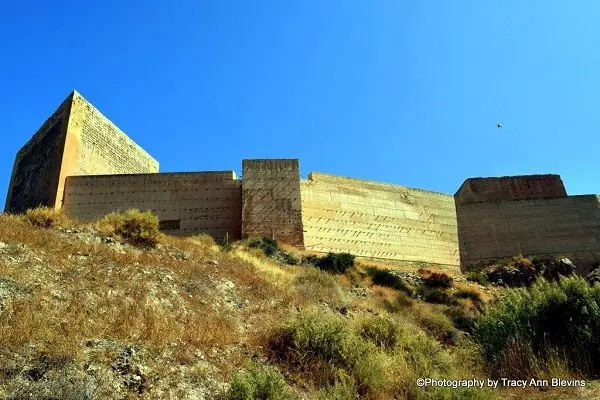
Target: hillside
x,y
86,315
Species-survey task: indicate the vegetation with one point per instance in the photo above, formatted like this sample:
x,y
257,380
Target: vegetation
x,y
47,217
387,278
522,271
337,263
477,276
435,295
258,383
438,280
138,228
527,330
113,320
268,246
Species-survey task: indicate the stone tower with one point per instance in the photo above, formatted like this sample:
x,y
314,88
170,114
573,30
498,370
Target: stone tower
x,y
76,140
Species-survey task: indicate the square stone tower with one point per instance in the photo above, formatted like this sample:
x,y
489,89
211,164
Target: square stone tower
x,y
76,140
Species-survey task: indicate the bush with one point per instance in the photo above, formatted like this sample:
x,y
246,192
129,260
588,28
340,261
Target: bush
x,y
477,276
433,321
336,262
526,326
381,331
438,280
316,285
46,217
435,295
320,345
468,294
461,318
384,277
290,259
258,382
138,228
268,246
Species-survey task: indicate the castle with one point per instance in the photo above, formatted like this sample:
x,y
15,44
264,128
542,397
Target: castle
x,y
80,162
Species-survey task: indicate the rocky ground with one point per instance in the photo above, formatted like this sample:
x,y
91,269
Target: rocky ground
x,y
85,316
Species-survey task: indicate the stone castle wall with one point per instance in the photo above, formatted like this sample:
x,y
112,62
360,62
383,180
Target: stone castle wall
x,y
377,220
271,205
82,162
35,175
545,224
76,140
185,203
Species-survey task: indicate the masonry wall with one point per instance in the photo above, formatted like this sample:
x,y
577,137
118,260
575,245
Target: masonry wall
x,y
96,146
377,220
495,230
76,140
185,203
511,188
271,205
35,175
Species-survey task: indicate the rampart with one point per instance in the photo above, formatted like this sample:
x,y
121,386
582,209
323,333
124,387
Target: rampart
x,y
76,140
545,222
185,203
378,220
81,162
271,200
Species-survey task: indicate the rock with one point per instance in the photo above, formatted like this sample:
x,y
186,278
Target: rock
x,y
213,262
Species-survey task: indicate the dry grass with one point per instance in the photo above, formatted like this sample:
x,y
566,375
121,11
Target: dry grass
x,y
189,296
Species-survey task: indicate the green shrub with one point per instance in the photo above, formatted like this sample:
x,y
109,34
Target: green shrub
x,y
461,318
258,383
46,217
343,389
381,331
468,294
138,228
320,345
435,323
477,276
316,285
290,259
336,262
384,277
438,280
561,317
435,295
268,246
398,304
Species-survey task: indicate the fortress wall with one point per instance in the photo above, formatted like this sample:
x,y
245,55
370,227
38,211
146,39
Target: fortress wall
x,y
511,188
76,140
35,175
185,203
271,200
567,226
377,220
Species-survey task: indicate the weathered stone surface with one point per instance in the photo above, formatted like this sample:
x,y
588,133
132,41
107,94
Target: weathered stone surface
x,y
35,176
185,203
378,220
568,226
76,140
82,162
271,205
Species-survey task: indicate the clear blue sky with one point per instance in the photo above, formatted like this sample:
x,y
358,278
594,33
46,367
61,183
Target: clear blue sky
x,y
406,92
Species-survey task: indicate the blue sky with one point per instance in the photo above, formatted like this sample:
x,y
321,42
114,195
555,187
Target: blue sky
x,y
406,92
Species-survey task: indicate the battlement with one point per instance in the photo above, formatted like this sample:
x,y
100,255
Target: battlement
x,y
81,162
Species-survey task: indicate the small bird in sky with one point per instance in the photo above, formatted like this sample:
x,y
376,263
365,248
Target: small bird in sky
x,y
498,125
